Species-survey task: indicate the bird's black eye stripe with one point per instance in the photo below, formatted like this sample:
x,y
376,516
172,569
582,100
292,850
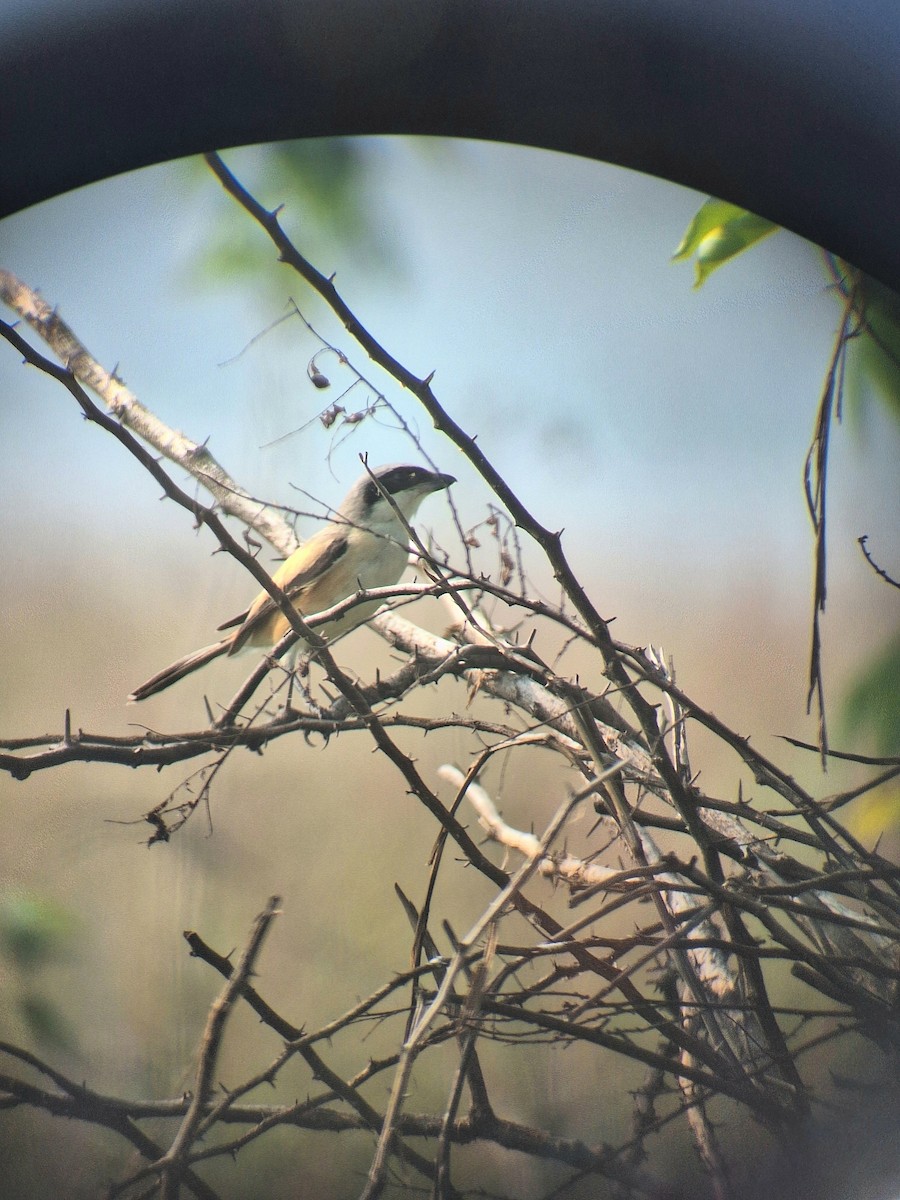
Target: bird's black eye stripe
x,y
397,479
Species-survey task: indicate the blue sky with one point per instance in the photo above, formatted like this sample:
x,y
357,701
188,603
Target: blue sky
x,y
664,428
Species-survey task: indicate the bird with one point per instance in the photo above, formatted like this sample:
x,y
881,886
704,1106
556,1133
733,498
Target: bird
x,y
366,545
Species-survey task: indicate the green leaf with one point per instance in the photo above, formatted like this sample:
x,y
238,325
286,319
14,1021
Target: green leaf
x,y
46,1023
32,930
709,216
323,186
875,360
873,704
718,232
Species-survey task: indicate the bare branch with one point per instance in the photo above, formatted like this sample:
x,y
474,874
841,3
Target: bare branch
x,y
171,1165
124,406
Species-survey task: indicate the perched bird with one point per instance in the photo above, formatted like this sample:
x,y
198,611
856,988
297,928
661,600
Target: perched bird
x,y
365,546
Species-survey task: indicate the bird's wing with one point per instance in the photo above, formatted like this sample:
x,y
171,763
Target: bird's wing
x,y
291,579
305,567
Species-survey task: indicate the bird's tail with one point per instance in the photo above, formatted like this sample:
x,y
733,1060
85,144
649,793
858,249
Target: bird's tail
x,y
178,670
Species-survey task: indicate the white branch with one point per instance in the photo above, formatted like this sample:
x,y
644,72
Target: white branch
x,y
122,403
519,690
563,866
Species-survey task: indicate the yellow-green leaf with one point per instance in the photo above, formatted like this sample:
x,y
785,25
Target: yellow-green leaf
x,y
33,930
717,233
876,356
873,703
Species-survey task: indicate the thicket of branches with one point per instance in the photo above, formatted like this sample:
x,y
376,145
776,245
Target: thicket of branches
x,y
723,894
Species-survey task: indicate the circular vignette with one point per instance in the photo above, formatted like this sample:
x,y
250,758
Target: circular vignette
x,y
788,107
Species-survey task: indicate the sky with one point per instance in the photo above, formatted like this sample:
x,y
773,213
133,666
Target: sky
x,y
663,428
650,420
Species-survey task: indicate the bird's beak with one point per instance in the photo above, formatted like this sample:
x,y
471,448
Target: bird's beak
x,y
442,481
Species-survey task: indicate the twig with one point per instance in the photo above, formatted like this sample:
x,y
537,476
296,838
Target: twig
x,y
815,479
376,1178
880,571
171,1165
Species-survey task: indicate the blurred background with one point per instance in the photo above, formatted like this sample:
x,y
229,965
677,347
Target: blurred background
x,y
664,428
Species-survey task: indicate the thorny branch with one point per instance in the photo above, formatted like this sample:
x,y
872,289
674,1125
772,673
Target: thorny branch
x,y
125,407
720,889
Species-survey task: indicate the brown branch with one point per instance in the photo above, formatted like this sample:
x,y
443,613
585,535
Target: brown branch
x,y
350,690
303,1046
171,1165
485,925
464,1131
880,571
832,914
80,1103
549,542
154,749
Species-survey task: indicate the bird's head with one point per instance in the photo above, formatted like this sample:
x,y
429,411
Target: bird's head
x,y
366,504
